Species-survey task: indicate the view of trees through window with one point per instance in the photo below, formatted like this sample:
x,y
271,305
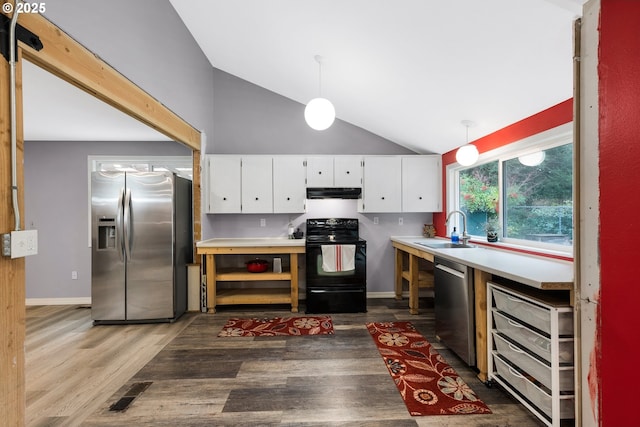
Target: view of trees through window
x,y
537,199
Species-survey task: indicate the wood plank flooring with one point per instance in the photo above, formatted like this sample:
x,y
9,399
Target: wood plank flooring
x,y
183,374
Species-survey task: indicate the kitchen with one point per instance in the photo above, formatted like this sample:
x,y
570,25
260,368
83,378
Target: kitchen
x,y
195,112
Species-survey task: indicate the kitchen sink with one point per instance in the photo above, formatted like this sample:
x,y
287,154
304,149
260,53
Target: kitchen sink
x,y
444,245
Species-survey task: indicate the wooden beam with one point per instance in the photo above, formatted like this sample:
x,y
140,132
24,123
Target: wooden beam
x,y
12,272
69,60
480,288
197,211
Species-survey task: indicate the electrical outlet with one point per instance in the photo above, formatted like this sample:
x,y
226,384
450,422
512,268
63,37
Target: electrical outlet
x,y
6,244
74,275
400,221
376,220
263,222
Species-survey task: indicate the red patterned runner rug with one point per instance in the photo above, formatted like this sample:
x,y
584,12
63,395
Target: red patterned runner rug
x,y
427,383
277,326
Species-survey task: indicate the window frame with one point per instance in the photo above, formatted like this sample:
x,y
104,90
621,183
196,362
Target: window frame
x,y
551,138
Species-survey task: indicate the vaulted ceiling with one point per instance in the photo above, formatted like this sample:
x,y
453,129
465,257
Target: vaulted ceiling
x,y
407,70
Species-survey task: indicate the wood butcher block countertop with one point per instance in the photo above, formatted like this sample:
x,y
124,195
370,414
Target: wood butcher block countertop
x,y
538,272
254,242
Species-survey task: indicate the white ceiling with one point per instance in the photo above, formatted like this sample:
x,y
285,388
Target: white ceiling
x,y
55,110
407,70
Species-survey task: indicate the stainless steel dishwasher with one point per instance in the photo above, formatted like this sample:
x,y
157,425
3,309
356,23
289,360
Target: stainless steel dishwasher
x,y
454,308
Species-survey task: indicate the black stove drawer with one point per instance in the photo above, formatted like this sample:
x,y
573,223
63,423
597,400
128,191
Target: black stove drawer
x,y
337,300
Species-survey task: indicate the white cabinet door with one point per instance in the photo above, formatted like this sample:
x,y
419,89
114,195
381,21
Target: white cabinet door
x,y
347,171
382,185
257,184
223,180
421,184
320,171
289,190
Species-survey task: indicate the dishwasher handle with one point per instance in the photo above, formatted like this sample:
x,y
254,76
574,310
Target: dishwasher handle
x,y
450,271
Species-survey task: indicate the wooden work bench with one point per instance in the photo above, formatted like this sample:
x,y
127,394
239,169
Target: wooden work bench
x,y
213,248
411,272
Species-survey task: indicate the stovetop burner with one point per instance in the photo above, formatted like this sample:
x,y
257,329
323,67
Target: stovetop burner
x,y
332,230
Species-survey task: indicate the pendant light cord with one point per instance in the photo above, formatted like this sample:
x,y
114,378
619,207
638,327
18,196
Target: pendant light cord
x,y
318,58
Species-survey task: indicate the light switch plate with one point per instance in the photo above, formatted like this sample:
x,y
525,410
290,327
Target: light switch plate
x,y
24,243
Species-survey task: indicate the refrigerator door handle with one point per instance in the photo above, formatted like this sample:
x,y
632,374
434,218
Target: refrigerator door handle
x,y
119,226
128,226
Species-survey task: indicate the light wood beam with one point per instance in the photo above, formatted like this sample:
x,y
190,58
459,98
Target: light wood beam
x,y
12,273
69,60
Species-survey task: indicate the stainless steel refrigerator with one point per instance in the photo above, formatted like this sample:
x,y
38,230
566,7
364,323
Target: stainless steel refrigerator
x,y
141,243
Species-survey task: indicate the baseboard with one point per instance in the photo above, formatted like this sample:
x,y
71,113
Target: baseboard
x,y
59,301
381,294
87,300
405,294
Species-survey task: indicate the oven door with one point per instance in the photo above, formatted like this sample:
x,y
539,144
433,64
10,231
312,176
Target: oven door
x,y
317,276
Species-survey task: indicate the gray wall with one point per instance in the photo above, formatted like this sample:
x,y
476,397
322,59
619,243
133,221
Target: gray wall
x,y
56,204
146,41
249,119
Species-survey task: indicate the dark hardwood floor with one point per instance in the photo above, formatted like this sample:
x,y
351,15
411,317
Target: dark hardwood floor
x,y
183,374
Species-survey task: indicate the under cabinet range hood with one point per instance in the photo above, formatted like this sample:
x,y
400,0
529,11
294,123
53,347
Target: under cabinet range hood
x,y
334,193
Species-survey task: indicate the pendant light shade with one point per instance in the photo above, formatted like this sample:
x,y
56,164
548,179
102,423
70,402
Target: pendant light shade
x,y
533,159
319,112
467,154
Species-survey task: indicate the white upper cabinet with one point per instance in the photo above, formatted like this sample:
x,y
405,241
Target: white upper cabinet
x,y
320,171
277,184
347,171
422,184
339,171
257,184
289,190
223,184
382,186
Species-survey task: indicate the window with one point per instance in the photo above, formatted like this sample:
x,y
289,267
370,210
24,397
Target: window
x,y
180,165
523,191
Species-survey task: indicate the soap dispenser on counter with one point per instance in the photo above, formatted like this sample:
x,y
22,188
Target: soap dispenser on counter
x,y
455,237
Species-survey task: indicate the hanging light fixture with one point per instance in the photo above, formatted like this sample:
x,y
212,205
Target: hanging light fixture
x,y
319,112
467,154
533,159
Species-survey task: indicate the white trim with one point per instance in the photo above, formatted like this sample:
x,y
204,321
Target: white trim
x,y
59,301
405,294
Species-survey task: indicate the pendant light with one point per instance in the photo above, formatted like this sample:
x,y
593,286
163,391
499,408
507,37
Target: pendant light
x,y
319,112
467,154
533,159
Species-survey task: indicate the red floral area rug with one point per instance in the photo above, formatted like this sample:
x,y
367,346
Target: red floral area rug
x,y
277,326
427,383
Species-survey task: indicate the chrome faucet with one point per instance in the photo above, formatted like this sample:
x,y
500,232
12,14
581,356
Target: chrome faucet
x,y
465,237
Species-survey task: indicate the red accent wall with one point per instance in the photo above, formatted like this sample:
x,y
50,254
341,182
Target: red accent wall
x,y
548,119
619,165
